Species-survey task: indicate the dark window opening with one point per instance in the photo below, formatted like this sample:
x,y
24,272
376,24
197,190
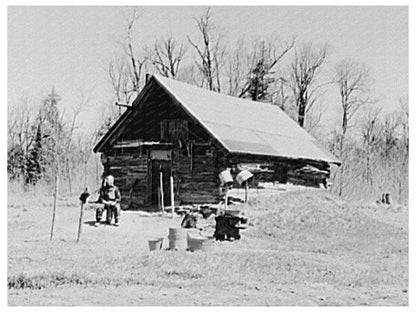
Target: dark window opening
x,y
173,130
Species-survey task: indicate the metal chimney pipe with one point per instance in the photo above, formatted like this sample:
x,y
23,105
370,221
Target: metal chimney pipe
x,y
147,78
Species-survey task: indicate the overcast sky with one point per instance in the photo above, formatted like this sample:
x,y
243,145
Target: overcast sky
x,y
71,47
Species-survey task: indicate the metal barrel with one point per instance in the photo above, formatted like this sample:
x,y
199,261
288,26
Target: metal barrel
x,y
177,239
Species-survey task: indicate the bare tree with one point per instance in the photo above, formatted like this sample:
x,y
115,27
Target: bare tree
x,y
353,83
404,120
235,68
119,78
403,176
370,132
210,52
264,56
19,121
136,63
126,72
21,136
166,56
70,161
352,80
304,69
281,96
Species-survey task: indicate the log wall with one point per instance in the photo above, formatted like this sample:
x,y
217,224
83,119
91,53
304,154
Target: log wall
x,y
195,174
131,176
197,177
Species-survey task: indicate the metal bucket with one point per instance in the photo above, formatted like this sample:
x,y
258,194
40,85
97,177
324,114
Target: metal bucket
x,y
177,239
225,177
195,242
243,176
155,244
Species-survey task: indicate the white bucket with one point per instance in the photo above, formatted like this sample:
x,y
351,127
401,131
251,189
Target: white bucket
x,y
195,242
243,176
225,177
155,244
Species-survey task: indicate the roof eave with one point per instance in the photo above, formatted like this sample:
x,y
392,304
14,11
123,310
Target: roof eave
x,y
329,161
98,147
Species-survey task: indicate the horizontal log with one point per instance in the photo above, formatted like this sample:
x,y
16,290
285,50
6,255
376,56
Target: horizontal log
x,y
199,199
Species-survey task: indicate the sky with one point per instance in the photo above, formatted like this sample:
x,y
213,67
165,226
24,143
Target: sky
x,y
70,47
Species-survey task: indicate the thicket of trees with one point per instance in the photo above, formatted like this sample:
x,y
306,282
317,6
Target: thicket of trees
x,y
286,72
43,145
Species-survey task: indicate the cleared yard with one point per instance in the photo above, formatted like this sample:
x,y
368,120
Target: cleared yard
x,y
302,247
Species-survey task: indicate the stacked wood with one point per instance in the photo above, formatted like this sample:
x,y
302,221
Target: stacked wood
x,y
308,176
296,171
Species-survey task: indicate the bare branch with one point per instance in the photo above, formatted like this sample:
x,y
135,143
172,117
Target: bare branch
x,y
210,52
260,62
352,80
166,56
304,69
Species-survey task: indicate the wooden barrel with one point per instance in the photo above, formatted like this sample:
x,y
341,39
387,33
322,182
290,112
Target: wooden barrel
x,y
177,239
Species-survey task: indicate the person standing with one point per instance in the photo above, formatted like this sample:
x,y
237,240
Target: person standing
x,y
110,196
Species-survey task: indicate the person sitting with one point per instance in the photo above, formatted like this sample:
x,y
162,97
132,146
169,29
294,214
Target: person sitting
x,y
100,209
110,196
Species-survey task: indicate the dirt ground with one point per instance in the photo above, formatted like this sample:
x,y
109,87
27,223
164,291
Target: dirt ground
x,y
301,247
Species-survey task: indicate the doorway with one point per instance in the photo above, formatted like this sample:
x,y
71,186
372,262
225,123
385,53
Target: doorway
x,y
164,166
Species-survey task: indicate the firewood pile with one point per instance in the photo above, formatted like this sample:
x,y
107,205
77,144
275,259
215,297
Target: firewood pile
x,y
309,176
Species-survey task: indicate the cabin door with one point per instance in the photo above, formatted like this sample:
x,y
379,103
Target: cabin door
x,y
164,166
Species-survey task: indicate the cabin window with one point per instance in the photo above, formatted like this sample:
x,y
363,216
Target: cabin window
x,y
173,130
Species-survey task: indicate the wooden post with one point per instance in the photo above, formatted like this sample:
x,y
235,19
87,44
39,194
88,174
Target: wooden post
x,y
85,172
80,221
161,192
246,189
172,196
158,199
55,198
83,198
226,198
190,151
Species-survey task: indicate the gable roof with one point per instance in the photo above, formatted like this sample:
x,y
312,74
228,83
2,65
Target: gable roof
x,y
243,126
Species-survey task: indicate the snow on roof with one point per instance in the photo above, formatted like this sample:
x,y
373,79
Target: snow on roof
x,y
244,126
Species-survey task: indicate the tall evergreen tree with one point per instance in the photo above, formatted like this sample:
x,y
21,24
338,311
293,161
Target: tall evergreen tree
x,y
33,172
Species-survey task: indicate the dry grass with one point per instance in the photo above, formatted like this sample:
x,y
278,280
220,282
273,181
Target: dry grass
x,y
302,248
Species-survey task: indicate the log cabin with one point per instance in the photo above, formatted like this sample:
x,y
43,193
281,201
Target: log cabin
x,y
174,129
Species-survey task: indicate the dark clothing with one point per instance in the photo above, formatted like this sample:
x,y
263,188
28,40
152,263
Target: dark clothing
x,y
113,211
84,196
111,195
99,213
